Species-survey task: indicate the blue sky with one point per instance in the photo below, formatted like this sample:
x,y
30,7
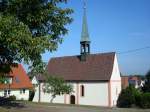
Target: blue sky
x,y
114,25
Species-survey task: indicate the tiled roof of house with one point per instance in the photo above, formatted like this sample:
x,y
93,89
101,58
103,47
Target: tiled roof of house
x,y
71,68
20,79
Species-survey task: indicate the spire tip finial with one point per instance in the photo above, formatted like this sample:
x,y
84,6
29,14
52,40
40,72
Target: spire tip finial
x,y
84,4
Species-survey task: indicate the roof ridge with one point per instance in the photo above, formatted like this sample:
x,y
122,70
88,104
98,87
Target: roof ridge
x,y
79,55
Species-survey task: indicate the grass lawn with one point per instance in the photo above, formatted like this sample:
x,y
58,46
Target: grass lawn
x,y
3,110
47,107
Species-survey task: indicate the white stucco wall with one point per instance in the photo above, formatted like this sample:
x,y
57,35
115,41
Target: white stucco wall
x,y
36,95
95,94
46,97
115,83
115,91
19,96
1,93
115,72
34,81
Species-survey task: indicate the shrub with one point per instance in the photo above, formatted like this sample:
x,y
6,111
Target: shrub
x,y
131,96
3,101
146,87
127,97
12,98
138,99
144,100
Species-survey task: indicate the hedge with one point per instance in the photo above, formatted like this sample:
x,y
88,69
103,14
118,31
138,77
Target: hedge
x,y
143,100
131,96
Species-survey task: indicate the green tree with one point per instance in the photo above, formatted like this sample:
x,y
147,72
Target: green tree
x,y
28,28
14,37
143,100
36,70
56,86
146,87
127,97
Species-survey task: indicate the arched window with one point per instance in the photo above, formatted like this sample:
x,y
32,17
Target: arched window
x,y
82,90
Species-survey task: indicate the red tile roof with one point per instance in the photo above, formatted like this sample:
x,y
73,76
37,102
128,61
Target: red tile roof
x,y
20,79
71,68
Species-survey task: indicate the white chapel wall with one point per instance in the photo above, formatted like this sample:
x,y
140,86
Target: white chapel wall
x,y
95,94
115,83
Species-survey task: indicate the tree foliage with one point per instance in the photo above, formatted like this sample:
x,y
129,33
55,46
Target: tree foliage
x,y
56,86
143,100
28,28
133,97
146,87
38,69
127,97
14,37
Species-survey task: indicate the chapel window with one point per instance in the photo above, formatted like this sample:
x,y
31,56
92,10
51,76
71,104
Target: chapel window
x,y
82,90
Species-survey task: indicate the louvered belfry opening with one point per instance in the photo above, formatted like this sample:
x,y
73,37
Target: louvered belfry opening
x,y
85,40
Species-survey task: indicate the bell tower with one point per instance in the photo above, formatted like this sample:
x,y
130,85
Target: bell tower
x,y
85,40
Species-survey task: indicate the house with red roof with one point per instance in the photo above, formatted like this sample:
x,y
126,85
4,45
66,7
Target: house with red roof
x,y
135,81
18,84
95,77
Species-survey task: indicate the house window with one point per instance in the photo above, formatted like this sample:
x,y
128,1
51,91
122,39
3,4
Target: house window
x,y
6,92
82,90
9,92
22,91
132,82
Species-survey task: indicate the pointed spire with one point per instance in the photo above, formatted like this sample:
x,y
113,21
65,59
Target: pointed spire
x,y
85,33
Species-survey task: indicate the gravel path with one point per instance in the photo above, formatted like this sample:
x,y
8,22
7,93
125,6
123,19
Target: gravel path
x,y
34,107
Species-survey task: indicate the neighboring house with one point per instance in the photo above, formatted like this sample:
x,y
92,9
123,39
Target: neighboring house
x,y
18,84
135,81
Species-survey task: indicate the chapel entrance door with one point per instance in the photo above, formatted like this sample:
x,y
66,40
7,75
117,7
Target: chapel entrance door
x,y
72,99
